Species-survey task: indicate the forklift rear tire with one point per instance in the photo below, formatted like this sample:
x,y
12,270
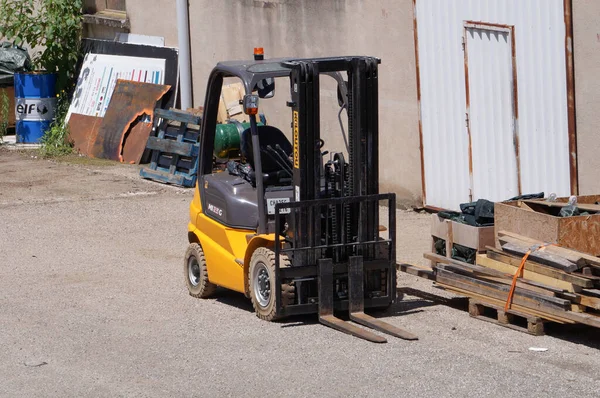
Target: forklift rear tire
x,y
196,274
261,279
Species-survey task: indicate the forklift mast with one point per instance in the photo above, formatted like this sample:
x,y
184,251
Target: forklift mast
x,y
362,107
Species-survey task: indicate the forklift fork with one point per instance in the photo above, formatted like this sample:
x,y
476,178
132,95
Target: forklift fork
x,y
356,304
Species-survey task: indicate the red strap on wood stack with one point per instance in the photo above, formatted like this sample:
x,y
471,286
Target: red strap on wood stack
x,y
519,273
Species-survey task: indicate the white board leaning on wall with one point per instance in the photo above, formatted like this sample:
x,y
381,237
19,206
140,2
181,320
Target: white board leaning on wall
x,y
98,77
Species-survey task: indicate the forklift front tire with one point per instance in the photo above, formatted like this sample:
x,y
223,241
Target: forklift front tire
x,y
196,274
261,279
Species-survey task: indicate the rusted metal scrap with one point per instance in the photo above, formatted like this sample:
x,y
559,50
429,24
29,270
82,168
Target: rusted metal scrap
x,y
83,130
123,133
135,141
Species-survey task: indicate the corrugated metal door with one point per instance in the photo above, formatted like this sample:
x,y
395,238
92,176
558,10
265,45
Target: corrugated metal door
x,y
457,166
491,122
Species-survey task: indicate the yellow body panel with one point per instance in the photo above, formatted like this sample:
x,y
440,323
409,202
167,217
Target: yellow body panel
x,y
222,246
227,250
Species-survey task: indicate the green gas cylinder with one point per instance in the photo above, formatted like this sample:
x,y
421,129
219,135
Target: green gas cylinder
x,y
227,137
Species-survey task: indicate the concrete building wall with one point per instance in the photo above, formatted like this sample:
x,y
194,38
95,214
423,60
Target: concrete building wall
x,y
586,39
230,29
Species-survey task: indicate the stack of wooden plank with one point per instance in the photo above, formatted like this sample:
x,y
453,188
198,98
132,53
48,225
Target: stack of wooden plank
x,y
557,284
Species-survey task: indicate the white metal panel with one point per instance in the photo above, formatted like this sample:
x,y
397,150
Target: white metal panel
x,y
542,123
99,75
489,65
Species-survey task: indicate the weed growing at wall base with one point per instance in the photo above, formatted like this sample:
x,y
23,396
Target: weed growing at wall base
x,y
4,112
55,141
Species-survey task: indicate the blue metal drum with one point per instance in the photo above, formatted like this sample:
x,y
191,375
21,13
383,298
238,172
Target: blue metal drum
x,y
35,105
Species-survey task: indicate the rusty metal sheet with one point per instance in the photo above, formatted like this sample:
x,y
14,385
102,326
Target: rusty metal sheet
x,y
130,101
135,142
83,130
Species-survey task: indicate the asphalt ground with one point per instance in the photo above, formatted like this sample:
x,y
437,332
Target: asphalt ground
x,y
93,303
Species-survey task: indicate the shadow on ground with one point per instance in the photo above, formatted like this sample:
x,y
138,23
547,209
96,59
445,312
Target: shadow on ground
x,y
234,299
400,308
417,302
578,334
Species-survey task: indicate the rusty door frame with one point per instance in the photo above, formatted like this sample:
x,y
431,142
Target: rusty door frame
x,y
510,30
570,78
418,80
571,115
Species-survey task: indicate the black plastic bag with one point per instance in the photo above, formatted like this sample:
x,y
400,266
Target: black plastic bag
x,y
12,59
527,196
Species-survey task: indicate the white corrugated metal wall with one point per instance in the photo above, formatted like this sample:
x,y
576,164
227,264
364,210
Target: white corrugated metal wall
x,y
542,124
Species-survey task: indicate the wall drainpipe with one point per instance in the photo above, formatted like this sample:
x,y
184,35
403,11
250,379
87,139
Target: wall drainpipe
x,y
185,65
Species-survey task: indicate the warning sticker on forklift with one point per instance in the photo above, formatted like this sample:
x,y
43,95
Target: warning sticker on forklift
x,y
296,142
273,201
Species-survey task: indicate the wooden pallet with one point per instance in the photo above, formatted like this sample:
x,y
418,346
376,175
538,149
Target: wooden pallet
x,y
511,319
548,289
174,149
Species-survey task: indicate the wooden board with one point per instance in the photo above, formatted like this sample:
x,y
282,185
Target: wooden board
x,y
580,206
484,261
546,312
540,269
591,302
494,275
415,270
497,302
500,292
542,257
172,146
570,254
491,275
591,292
582,199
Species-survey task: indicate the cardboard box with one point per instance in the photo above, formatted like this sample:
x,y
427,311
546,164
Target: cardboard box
x,y
580,233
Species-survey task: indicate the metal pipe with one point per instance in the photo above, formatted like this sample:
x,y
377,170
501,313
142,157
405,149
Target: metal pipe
x,y
185,72
262,215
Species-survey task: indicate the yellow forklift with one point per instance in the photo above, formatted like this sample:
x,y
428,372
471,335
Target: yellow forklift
x,y
292,226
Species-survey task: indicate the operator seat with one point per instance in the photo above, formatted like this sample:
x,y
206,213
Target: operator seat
x,y
272,168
